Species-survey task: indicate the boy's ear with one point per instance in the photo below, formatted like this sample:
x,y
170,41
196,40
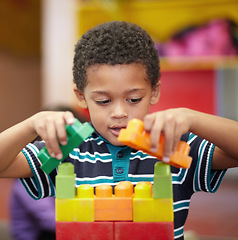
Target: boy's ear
x,y
80,98
155,93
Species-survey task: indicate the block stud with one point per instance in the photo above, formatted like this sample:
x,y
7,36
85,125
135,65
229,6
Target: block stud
x,y
124,189
85,191
143,190
103,191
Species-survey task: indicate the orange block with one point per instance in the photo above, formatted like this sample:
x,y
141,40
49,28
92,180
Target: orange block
x,y
136,137
118,207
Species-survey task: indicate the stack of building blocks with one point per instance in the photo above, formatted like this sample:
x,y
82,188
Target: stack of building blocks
x,y
140,212
136,137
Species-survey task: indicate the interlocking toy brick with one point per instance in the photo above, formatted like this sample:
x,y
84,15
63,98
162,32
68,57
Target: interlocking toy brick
x,y
84,231
85,203
78,209
162,187
149,209
143,231
136,137
65,210
76,134
118,207
65,181
114,230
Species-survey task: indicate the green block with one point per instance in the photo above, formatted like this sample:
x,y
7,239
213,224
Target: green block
x,y
162,187
76,134
65,181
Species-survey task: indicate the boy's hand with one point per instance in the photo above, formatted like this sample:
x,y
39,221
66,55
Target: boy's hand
x,y
50,126
172,123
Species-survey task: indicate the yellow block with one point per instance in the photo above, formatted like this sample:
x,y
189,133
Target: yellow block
x,y
74,210
79,209
153,210
65,210
148,209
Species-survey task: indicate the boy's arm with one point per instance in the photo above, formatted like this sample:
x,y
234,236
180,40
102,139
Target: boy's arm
x,y
12,162
174,122
49,125
223,133
18,168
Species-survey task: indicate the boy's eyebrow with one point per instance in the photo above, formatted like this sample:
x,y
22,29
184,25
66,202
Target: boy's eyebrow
x,y
135,90
99,92
127,91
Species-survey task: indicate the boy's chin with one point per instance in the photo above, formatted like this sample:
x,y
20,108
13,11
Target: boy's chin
x,y
115,142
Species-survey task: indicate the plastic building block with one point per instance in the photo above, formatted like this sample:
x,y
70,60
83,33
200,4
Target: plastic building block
x,y
136,137
148,209
85,203
116,207
65,181
84,231
114,230
162,187
65,210
144,230
76,134
144,214
79,209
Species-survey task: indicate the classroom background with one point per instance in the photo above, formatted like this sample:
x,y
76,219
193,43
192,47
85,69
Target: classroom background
x,y
198,44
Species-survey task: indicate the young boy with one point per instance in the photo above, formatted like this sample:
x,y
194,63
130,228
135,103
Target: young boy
x,y
116,75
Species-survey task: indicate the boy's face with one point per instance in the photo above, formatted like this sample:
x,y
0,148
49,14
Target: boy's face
x,y
116,94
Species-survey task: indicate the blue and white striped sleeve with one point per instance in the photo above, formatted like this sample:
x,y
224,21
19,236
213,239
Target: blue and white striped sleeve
x,y
40,185
205,179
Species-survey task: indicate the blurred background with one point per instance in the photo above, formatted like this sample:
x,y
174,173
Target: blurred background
x,y
197,41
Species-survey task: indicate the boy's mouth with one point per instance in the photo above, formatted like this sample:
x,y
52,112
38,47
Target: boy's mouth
x,y
116,130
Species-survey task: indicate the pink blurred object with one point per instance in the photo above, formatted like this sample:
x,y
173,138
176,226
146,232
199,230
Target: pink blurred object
x,y
214,39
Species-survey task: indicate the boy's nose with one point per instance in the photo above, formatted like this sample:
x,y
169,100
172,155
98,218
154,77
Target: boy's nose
x,y
119,111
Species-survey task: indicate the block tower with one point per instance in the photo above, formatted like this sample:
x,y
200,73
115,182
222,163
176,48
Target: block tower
x,y
140,212
135,213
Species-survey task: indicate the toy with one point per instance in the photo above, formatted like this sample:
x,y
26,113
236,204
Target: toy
x,y
136,137
76,134
143,212
140,212
114,230
77,209
117,207
65,182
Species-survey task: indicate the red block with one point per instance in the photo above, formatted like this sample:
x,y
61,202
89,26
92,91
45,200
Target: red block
x,y
144,230
84,231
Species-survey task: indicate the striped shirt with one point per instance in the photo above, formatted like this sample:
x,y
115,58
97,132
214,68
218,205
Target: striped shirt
x,y
96,161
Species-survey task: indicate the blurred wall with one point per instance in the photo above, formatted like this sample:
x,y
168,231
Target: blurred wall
x,y
20,87
20,71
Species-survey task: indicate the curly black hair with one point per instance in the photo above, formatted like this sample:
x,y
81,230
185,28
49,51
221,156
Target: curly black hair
x,y
112,43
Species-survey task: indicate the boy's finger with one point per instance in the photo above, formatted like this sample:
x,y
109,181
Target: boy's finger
x,y
52,141
69,118
149,122
177,137
169,140
48,147
61,131
155,134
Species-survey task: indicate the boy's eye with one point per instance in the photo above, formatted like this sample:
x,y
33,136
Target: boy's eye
x,y
103,102
134,100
